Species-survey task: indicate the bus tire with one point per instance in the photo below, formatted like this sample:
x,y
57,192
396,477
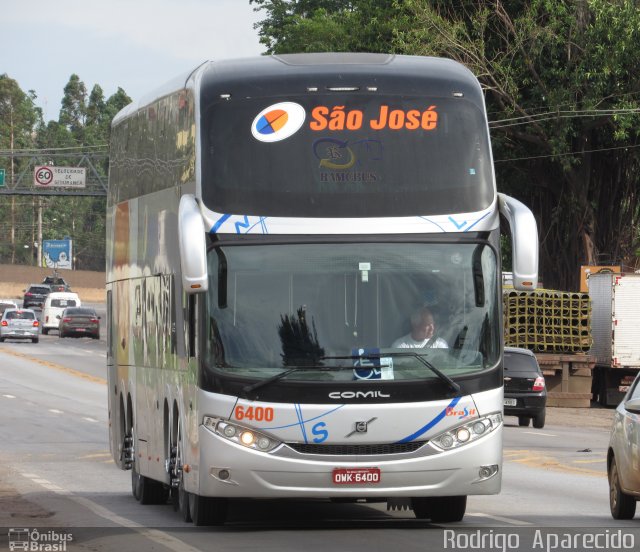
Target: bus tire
x,y
206,511
184,504
421,507
447,509
523,421
146,490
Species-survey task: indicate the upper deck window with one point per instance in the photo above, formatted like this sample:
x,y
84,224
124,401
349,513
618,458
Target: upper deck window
x,y
355,154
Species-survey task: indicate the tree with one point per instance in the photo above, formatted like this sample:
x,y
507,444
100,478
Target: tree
x,y
562,92
327,25
563,96
83,122
18,119
74,108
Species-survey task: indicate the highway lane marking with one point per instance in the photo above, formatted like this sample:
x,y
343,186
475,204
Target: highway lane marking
x,y
160,537
501,519
96,455
9,396
89,419
55,366
598,461
539,433
55,411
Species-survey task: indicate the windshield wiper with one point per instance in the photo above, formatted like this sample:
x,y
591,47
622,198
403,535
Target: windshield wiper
x,y
452,384
248,388
280,375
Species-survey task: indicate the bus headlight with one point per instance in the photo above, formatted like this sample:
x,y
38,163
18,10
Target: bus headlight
x,y
240,435
467,433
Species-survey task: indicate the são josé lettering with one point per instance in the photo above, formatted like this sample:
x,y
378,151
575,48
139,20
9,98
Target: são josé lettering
x,y
338,118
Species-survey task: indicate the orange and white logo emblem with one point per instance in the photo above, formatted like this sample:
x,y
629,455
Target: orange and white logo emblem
x,y
278,121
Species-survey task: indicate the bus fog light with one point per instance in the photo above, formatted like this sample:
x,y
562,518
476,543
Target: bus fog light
x,y
485,472
229,431
224,475
263,443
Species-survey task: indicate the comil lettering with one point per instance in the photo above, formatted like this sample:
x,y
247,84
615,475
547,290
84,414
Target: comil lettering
x,y
339,118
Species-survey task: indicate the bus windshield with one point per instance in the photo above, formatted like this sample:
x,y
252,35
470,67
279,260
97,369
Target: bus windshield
x,y
357,155
352,310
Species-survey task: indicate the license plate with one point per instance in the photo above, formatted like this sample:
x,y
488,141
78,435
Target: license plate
x,y
510,402
356,476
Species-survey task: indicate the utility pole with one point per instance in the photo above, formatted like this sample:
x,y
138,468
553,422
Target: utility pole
x,y
40,231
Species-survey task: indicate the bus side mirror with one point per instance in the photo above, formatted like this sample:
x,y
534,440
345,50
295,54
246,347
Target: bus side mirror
x,y
193,247
524,240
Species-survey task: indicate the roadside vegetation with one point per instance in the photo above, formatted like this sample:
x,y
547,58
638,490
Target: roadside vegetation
x,y
562,92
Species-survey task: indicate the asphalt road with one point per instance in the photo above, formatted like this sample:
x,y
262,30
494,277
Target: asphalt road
x,y
58,477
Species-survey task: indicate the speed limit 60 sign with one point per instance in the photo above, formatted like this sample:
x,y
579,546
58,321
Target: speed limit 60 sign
x,y
59,177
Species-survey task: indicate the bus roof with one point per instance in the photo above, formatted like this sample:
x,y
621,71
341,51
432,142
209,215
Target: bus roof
x,y
265,75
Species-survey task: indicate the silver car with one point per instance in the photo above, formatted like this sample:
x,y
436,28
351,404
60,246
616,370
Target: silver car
x,y
19,324
623,457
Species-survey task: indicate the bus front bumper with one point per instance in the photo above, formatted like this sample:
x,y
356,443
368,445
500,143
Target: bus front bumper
x,y
231,470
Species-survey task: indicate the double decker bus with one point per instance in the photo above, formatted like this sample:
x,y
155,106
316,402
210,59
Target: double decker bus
x,y
275,226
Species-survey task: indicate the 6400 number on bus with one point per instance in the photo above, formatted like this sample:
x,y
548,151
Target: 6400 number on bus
x,y
257,413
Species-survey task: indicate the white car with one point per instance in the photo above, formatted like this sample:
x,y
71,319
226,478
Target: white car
x,y
7,304
623,456
19,324
54,305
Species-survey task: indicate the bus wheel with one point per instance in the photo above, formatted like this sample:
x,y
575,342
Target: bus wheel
x,y
179,496
421,507
184,503
208,511
144,489
446,509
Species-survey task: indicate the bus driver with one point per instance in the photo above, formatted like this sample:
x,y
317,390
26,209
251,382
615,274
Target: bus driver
x,y
422,335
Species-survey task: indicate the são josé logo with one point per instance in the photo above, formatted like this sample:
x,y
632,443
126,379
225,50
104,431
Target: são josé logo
x,y
278,121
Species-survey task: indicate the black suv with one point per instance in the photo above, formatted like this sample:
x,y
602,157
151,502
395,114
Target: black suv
x,y
56,283
35,295
525,392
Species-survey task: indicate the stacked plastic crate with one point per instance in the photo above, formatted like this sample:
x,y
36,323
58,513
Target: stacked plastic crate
x,y
547,321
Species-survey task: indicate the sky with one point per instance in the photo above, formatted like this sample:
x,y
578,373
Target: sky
x,y
136,45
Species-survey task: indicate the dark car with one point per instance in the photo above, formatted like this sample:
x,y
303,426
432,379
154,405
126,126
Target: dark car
x,y
622,456
35,295
525,392
79,321
56,283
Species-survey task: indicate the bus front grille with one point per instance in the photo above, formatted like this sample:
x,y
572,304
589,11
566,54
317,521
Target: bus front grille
x,y
357,450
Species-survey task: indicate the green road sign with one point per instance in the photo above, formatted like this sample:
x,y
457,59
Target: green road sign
x,y
1,178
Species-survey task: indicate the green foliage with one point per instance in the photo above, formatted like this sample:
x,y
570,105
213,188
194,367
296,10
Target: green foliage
x,y
328,25
562,92
563,97
83,122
